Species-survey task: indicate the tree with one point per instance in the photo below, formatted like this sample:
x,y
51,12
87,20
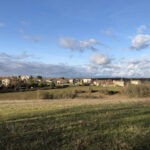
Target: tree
x,y
39,77
52,85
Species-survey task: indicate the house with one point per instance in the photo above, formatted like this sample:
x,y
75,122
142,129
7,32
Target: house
x,y
51,80
38,80
72,81
24,77
104,83
87,80
97,83
107,83
119,83
62,81
6,82
79,82
135,82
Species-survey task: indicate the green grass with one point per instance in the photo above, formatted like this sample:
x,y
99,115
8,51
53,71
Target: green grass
x,y
79,92
75,124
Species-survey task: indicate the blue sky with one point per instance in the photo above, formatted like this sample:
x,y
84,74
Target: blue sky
x,y
74,38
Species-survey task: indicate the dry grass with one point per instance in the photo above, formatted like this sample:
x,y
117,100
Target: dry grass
x,y
142,90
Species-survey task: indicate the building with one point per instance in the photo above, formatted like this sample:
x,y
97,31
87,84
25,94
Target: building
x,y
79,82
72,81
87,81
119,83
135,82
6,82
97,83
62,81
51,80
24,77
104,83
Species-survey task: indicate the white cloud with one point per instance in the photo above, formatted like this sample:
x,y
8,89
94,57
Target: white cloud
x,y
72,44
99,59
141,29
28,37
2,24
135,67
140,41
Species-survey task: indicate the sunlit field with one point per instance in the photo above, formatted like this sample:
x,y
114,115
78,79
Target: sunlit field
x,y
77,124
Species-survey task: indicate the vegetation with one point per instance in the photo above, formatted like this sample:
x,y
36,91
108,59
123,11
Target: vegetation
x,y
61,92
142,90
75,124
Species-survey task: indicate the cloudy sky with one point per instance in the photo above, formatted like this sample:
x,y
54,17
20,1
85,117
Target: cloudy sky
x,y
75,38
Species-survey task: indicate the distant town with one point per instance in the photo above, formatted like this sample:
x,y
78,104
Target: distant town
x,y
25,82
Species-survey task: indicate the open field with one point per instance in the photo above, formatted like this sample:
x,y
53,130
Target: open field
x,y
95,124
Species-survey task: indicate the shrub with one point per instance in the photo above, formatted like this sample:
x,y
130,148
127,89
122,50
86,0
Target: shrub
x,y
108,92
44,95
142,90
52,85
104,91
59,95
71,94
79,91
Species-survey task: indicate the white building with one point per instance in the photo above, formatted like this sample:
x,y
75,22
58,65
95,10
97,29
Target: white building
x,y
24,77
135,82
96,83
87,80
72,81
119,83
6,82
62,81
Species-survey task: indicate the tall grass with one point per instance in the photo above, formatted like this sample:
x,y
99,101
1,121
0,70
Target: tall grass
x,y
142,90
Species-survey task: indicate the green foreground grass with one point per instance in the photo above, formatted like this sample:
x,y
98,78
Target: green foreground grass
x,y
100,124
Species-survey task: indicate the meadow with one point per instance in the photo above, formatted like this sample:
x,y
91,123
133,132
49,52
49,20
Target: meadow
x,y
68,92
77,118
77,124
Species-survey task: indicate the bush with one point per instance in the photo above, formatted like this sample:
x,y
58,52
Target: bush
x,y
79,91
59,95
52,85
104,91
142,90
44,95
108,92
71,94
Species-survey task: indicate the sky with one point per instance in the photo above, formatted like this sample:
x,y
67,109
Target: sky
x,y
75,38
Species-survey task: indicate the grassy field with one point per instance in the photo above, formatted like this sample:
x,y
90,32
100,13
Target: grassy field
x,y
76,124
69,92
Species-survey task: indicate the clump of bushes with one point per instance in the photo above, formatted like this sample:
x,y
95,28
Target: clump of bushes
x,y
79,91
91,90
142,90
46,95
59,95
108,92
